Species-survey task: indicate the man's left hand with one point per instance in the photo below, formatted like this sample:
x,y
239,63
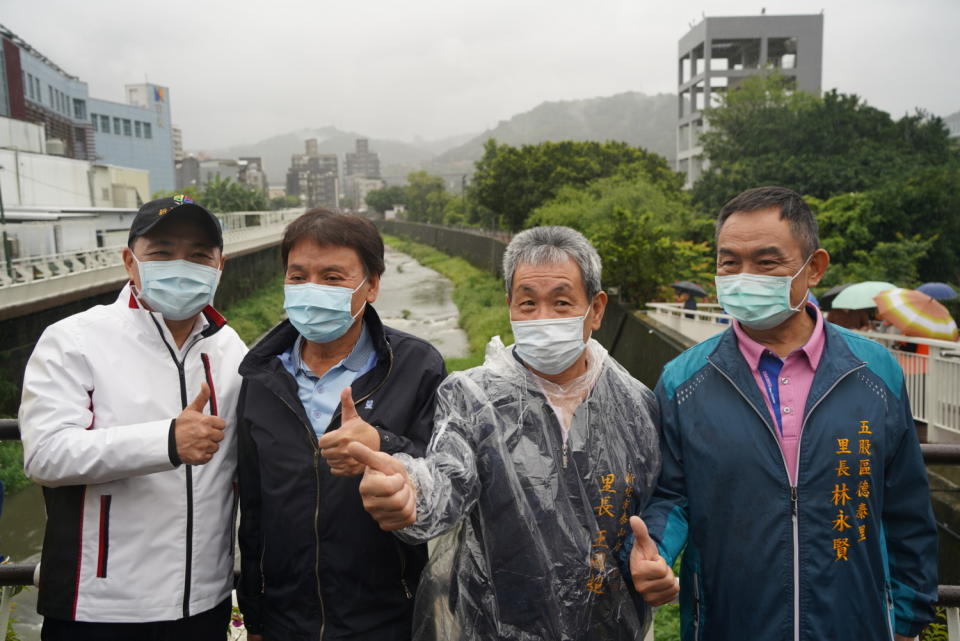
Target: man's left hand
x,y
333,444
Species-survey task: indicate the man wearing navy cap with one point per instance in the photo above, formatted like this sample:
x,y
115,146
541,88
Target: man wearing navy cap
x,y
127,420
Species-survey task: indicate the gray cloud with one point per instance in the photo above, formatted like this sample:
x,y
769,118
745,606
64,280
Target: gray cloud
x,y
242,71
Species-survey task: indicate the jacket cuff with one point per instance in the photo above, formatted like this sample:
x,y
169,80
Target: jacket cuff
x,y
908,628
390,443
172,444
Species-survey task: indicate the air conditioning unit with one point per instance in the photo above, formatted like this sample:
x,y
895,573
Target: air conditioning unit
x,y
56,147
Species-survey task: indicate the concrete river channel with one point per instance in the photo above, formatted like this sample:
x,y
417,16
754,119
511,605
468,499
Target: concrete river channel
x,y
413,298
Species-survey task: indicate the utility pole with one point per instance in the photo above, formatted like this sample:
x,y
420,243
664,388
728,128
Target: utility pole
x,y
6,245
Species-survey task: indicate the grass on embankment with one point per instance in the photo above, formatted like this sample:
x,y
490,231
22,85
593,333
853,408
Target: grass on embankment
x,y
479,297
254,315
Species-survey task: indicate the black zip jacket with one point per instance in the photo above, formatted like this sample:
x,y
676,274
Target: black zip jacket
x,y
314,564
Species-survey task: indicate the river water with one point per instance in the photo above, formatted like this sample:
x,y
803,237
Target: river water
x,y
412,298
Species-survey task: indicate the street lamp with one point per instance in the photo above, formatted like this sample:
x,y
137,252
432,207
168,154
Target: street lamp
x,y
6,244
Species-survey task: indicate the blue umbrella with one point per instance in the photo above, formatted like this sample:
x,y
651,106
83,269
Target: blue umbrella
x,y
939,291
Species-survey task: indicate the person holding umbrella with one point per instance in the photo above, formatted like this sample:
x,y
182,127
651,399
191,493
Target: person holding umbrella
x,y
687,294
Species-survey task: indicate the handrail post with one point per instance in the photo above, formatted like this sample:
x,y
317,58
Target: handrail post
x,y
933,406
953,624
6,601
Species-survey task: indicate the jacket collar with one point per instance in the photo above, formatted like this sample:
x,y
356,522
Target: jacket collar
x,y
835,363
261,362
212,320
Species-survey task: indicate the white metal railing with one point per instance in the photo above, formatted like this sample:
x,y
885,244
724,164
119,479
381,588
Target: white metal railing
x,y
931,367
25,271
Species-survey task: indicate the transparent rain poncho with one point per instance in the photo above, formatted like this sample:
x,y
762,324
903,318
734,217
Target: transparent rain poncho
x,y
536,522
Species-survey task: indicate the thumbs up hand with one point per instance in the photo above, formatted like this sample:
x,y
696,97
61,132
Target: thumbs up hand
x,y
652,577
333,444
198,434
387,492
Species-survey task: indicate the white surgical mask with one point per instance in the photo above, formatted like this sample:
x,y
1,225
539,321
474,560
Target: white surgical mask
x,y
178,289
758,301
549,345
321,313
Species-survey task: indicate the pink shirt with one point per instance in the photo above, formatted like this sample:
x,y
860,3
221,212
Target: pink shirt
x,y
793,384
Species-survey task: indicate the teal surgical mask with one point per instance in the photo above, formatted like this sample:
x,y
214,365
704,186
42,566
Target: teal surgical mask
x,y
758,301
321,313
549,345
178,289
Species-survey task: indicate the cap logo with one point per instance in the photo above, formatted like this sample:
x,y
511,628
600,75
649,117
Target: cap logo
x,y
180,199
163,211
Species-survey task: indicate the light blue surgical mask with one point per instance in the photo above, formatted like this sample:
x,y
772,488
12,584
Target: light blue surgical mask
x,y
756,300
549,345
321,313
178,289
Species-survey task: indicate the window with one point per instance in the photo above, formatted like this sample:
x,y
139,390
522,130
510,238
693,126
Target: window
x,y
146,130
734,54
136,129
126,128
53,104
782,53
36,93
95,119
79,109
29,83
116,125
105,124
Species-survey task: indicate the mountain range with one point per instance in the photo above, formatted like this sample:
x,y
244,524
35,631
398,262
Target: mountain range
x,y
633,117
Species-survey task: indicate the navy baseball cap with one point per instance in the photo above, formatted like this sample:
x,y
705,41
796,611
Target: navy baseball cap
x,y
151,213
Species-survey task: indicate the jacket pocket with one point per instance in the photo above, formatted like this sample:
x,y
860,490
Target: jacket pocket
x,y
103,547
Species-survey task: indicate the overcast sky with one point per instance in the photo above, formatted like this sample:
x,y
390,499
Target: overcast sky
x,y
241,71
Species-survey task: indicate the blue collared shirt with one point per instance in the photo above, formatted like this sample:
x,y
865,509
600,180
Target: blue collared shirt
x,y
320,396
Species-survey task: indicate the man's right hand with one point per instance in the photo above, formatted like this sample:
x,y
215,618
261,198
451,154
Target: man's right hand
x,y
197,434
652,577
387,492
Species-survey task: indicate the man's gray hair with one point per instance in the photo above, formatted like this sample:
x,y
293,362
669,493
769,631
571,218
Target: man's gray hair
x,y
552,246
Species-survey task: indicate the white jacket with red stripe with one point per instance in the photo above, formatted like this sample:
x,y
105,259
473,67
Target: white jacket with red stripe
x,y
130,536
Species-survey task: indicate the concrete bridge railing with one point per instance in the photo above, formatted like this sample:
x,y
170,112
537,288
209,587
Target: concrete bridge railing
x,y
931,368
37,278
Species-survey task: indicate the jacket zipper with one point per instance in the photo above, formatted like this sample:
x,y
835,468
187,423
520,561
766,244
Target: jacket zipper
x,y
316,471
312,437
696,606
794,497
403,569
188,567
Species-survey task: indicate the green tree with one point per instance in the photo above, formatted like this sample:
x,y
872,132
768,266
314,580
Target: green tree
x,y
640,230
426,197
455,213
284,202
223,195
511,182
386,198
907,228
190,191
764,132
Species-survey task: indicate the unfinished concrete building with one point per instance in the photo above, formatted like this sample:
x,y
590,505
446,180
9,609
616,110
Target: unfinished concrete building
x,y
718,53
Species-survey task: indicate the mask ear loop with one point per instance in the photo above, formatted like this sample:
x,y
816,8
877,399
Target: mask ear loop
x,y
806,295
362,307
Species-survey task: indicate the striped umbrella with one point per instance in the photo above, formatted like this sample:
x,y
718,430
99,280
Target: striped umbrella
x,y
916,314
